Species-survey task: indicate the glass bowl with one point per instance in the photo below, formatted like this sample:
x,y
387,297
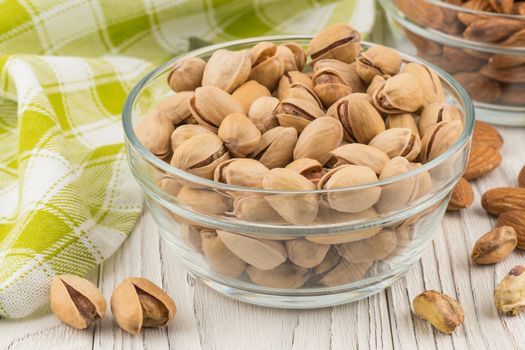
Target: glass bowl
x,y
487,56
299,252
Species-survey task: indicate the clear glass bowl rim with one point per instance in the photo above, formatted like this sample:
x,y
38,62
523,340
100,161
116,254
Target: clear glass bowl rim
x,y
177,173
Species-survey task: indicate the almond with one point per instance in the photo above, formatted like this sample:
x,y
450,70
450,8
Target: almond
x,y
502,199
483,159
516,220
462,196
487,134
521,177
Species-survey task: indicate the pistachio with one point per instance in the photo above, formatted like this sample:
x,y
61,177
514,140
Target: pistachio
x,y
186,132
154,132
439,138
331,259
345,273
138,302
443,312
239,134
169,185
254,208
438,112
276,146
219,257
191,234
375,84
404,120
204,201
262,113
302,92
227,70
424,182
293,56
263,254
351,201
241,172
211,105
294,208
429,82
495,245
399,94
398,194
297,113
293,78
309,168
398,142
376,247
186,74
359,154
362,121
176,107
248,92
305,253
267,66
285,275
339,41
319,138
200,155
378,60
331,80
76,301
510,293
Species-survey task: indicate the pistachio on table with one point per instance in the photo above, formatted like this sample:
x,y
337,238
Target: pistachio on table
x,y
443,312
510,293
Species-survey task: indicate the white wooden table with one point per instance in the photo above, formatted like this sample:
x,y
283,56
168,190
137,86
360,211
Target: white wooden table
x,y
207,320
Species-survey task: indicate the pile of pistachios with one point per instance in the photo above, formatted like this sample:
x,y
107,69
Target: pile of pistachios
x,y
279,117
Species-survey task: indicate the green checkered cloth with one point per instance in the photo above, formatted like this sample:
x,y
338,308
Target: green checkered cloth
x,y
67,198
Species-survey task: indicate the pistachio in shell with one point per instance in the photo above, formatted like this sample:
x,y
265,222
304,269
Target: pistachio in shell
x,y
318,138
200,155
345,272
263,254
297,113
254,208
309,168
376,247
275,149
350,201
399,94
339,41
248,92
227,69
306,253
378,60
331,80
76,301
267,67
398,194
154,131
330,260
239,134
169,185
176,107
210,105
428,81
219,257
286,276
137,303
293,78
295,208
204,201
186,74
243,172
292,55
186,132
398,142
437,112
359,154
262,113
403,120
439,138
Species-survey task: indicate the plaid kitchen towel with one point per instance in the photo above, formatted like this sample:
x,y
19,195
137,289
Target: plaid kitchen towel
x,y
67,199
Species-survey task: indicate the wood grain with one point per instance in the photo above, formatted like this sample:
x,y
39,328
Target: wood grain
x,y
206,320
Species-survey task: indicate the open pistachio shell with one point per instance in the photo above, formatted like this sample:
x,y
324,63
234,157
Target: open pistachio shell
x,y
398,194
345,273
243,172
403,120
293,78
339,41
297,113
438,112
239,134
176,107
211,105
401,93
330,260
227,70
200,155
305,253
293,56
267,67
428,81
154,131
262,113
263,254
439,138
374,248
359,154
275,149
398,142
378,60
254,208
309,168
204,201
186,132
248,92
186,75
